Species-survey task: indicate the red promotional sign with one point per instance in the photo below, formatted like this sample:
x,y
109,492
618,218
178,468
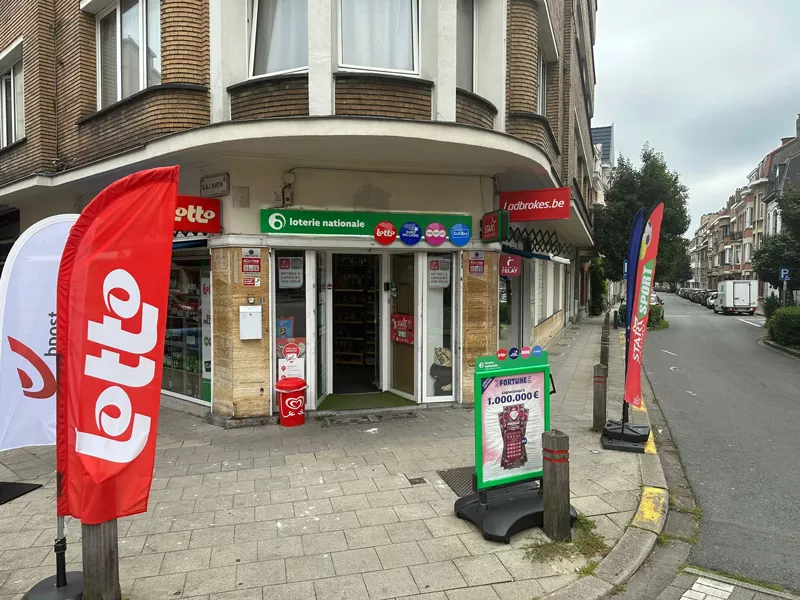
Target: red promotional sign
x,y
198,215
385,233
645,277
402,329
510,265
536,205
490,226
112,292
502,354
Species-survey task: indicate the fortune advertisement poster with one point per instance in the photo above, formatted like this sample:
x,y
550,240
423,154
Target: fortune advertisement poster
x,y
513,420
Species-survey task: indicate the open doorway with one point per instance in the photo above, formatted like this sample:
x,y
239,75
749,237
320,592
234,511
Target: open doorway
x,y
356,341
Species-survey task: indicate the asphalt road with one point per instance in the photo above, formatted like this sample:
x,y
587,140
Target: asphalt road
x,y
733,408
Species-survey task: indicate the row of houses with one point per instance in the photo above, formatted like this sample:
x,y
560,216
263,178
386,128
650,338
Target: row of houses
x,y
723,246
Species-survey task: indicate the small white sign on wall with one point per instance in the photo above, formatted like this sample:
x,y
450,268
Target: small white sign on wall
x,y
438,272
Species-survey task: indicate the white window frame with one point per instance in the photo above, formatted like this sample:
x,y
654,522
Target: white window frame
x,y
115,5
252,12
9,112
541,100
415,43
474,47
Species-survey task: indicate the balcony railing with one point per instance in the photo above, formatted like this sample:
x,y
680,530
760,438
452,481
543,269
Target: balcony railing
x,y
736,235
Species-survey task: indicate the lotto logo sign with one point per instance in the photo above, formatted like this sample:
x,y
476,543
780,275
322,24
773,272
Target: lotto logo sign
x,y
435,234
198,215
502,354
385,233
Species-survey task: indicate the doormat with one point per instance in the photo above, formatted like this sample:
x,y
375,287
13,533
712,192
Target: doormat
x,y
370,419
459,480
367,401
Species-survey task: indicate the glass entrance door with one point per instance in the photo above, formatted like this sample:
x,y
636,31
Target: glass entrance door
x,y
402,330
322,286
439,315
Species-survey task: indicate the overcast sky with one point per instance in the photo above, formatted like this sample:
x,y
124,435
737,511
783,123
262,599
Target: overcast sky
x,y
713,84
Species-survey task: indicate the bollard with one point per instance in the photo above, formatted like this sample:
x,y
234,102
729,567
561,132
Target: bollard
x,y
616,320
604,348
555,483
599,403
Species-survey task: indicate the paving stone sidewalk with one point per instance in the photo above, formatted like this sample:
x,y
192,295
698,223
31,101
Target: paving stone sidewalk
x,y
328,512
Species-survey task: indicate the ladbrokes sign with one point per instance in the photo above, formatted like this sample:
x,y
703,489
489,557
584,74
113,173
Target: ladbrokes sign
x,y
536,205
114,275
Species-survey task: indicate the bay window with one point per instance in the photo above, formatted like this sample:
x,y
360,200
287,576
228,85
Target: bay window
x,y
379,35
465,45
12,109
128,49
278,36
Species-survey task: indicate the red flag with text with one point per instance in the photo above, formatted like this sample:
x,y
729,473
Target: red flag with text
x,y
113,286
645,278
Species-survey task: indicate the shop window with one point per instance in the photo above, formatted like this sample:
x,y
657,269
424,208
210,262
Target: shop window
x,y
128,49
381,36
290,313
510,312
187,345
439,325
278,36
465,45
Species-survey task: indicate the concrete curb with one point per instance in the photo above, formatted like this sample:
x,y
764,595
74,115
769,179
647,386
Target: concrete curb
x,y
636,543
782,349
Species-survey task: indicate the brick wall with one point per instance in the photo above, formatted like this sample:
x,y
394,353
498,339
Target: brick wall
x,y
33,20
535,129
383,96
152,113
566,127
480,318
242,384
474,110
522,50
269,98
185,42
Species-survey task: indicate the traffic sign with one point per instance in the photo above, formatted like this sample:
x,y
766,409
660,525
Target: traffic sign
x,y
783,274
625,271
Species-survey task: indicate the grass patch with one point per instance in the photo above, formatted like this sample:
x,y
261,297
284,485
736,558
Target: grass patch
x,y
743,579
665,539
588,569
618,589
585,542
662,324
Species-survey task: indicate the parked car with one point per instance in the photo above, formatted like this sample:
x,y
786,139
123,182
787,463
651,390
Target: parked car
x,y
710,300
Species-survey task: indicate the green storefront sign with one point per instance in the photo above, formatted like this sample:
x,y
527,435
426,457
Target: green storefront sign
x,y
331,222
512,410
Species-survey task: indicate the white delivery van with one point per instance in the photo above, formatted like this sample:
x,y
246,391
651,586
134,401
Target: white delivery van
x,y
736,297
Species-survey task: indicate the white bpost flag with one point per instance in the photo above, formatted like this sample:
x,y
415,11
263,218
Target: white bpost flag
x,y
28,334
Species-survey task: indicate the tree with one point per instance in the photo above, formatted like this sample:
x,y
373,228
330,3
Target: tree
x,y
630,190
789,203
780,250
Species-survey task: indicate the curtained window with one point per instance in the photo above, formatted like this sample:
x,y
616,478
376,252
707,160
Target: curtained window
x,y
379,34
279,36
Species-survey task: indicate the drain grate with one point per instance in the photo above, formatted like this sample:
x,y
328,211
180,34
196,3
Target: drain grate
x,y
371,419
459,480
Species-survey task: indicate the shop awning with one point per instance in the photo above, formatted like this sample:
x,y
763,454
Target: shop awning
x,y
511,250
181,244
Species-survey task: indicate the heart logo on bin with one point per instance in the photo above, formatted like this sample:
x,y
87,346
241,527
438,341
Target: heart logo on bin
x,y
294,403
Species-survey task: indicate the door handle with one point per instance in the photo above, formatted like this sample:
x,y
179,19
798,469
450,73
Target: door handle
x,y
552,384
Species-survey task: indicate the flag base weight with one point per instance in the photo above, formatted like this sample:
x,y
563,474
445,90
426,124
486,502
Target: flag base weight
x,y
626,431
47,590
11,490
505,511
614,443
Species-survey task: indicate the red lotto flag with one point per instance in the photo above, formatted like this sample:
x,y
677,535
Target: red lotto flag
x,y
113,285
645,277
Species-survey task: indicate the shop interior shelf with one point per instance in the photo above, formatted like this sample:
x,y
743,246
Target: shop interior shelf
x,y
347,362
350,305
352,339
348,323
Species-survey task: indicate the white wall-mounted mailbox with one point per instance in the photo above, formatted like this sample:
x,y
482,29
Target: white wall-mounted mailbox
x,y
250,322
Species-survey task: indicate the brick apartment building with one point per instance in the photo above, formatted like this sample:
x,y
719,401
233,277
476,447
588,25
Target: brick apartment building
x,y
419,110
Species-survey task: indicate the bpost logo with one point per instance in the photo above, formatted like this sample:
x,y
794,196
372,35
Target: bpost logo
x,y
48,380
277,221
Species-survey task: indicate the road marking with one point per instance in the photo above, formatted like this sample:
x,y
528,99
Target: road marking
x,y
751,323
668,352
652,509
650,445
691,393
675,369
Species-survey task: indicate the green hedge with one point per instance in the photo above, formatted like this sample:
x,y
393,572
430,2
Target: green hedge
x,y
656,314
784,326
771,304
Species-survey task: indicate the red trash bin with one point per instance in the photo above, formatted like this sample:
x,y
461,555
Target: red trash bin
x,y
292,401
